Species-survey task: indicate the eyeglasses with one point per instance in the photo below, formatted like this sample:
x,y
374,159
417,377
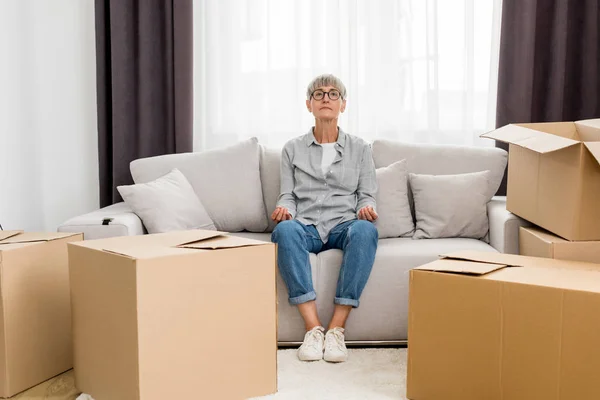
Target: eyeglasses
x,y
320,95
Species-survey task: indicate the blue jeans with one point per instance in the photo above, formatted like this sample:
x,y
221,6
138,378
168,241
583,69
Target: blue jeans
x,y
356,238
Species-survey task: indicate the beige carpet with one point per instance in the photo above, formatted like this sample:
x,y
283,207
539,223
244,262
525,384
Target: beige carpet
x,y
374,374
61,387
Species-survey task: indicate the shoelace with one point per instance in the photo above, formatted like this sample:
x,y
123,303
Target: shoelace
x,y
338,340
314,339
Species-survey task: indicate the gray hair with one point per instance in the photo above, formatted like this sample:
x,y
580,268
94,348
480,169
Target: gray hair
x,y
326,80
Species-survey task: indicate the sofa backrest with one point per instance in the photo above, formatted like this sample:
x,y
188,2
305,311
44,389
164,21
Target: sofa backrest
x,y
421,159
226,180
436,159
269,176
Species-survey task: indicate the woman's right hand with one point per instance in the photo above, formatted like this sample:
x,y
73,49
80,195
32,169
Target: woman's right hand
x,y
281,214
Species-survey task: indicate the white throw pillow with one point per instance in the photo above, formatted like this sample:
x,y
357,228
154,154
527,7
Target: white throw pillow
x,y
393,208
226,180
451,206
168,203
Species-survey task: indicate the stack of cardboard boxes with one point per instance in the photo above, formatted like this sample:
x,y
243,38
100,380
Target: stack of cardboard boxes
x,y
554,183
497,326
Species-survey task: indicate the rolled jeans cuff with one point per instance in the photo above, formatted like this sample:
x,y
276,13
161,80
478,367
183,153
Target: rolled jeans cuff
x,y
346,302
304,298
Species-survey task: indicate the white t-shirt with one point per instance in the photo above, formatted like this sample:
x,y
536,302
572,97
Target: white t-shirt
x,y
329,154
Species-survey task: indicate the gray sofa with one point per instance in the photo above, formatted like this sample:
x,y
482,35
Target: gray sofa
x,y
226,178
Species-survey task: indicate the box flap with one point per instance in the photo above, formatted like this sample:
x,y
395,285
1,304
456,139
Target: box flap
x,y
594,148
487,257
461,267
37,237
589,130
7,234
223,242
185,237
137,252
163,244
538,141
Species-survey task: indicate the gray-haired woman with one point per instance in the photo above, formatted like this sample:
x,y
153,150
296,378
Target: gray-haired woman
x,y
327,201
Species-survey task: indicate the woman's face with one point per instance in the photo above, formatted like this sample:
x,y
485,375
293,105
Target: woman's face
x,y
322,106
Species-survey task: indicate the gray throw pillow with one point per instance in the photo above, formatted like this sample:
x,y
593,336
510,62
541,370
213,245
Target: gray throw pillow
x,y
168,203
395,218
451,206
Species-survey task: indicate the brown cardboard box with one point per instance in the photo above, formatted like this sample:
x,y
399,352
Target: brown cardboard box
x,y
35,311
554,175
536,242
497,326
179,315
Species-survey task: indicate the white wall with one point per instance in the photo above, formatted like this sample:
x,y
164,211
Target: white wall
x,y
48,131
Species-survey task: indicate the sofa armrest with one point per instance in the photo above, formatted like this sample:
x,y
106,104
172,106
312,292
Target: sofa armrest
x,y
504,226
111,221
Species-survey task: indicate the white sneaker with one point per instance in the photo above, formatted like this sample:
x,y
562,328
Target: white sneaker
x,y
335,347
312,347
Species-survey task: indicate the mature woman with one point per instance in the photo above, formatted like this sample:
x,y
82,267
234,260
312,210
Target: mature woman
x,y
327,201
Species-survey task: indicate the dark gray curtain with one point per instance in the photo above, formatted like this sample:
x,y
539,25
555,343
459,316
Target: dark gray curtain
x,y
144,84
549,62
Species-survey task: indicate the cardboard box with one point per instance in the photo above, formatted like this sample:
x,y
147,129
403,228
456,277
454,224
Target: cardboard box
x,y
35,310
554,175
497,326
536,242
179,315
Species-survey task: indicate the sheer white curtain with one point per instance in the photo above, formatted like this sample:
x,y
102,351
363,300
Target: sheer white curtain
x,y
48,134
416,70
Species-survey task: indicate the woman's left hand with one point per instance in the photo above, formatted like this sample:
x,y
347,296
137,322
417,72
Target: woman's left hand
x,y
367,213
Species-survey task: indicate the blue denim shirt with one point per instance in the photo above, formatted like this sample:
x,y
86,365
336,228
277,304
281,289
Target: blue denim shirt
x,y
326,200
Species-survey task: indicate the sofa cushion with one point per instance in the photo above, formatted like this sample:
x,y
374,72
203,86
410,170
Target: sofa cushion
x,y
168,203
436,159
451,206
270,160
226,180
395,218
383,311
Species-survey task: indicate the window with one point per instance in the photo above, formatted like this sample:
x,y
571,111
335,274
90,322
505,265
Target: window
x,y
416,70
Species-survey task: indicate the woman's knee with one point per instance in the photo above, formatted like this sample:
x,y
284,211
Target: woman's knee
x,y
286,230
364,230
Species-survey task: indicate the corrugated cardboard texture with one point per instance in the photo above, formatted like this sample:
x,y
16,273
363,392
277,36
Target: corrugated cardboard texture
x,y
590,198
522,193
516,333
554,175
193,323
536,242
219,349
563,129
104,303
36,314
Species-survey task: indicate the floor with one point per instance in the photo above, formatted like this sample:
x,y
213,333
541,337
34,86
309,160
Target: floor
x,y
369,373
